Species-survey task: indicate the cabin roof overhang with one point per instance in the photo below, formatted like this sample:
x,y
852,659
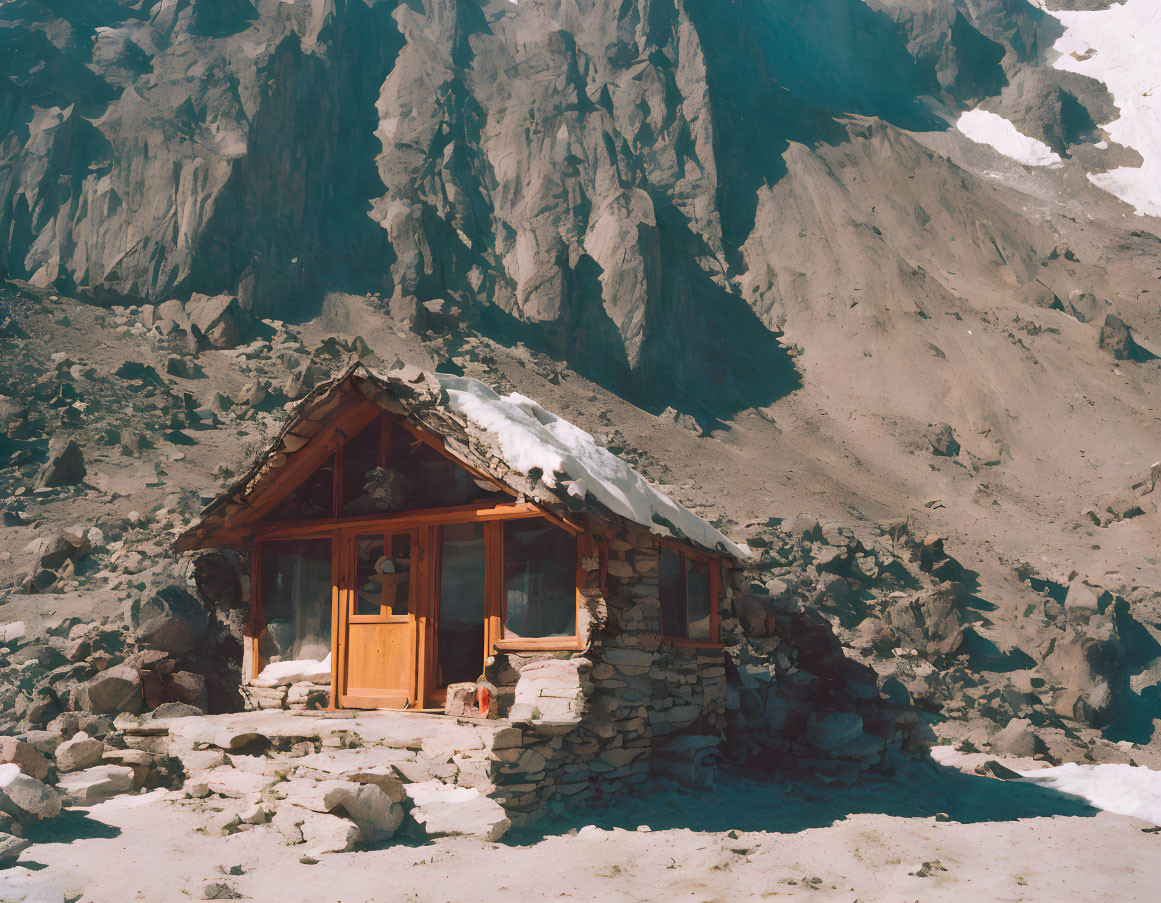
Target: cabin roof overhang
x,y
335,410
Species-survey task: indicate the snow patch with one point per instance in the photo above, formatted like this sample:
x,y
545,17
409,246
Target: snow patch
x,y
1118,46
983,127
1123,789
531,438
278,673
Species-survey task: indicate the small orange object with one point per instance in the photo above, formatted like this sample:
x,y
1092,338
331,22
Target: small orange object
x,y
483,700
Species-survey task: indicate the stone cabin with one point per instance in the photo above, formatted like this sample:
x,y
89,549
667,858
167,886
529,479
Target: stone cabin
x,y
416,541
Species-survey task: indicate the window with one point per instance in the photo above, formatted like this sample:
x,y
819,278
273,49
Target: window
x,y
382,576
296,599
419,477
462,588
313,499
539,580
687,587
360,458
383,469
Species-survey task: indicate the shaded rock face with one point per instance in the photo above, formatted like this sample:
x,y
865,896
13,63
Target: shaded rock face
x,y
586,177
115,690
65,465
171,620
1117,339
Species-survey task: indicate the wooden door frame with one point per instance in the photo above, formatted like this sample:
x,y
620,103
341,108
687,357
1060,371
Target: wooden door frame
x,y
345,591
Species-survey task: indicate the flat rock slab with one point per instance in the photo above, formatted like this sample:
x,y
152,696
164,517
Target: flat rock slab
x,y
442,810
11,847
432,734
95,785
235,783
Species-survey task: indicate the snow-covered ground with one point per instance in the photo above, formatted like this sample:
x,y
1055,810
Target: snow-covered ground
x,y
1122,789
996,131
1121,46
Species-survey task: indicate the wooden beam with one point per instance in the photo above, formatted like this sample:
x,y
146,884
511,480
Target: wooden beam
x,y
299,466
459,514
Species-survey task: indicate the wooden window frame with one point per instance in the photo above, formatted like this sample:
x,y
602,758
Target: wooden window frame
x,y
496,638
716,564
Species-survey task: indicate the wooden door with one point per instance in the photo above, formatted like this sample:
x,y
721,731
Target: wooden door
x,y
378,608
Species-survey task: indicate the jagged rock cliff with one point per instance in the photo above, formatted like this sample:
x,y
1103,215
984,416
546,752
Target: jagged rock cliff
x,y
595,177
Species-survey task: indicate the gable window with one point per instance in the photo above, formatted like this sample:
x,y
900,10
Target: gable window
x,y
314,498
540,561
688,589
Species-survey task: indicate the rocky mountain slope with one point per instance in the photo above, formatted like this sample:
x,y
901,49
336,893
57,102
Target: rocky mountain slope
x,y
867,261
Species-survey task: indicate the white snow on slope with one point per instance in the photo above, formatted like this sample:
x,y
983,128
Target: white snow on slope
x,y
989,128
530,437
1124,789
1121,46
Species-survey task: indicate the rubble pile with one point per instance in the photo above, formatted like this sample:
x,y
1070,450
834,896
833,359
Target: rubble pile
x,y
904,613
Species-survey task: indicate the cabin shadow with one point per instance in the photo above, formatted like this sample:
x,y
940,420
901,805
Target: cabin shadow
x,y
923,790
70,825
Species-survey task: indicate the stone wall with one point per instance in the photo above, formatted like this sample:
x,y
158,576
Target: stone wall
x,y
601,720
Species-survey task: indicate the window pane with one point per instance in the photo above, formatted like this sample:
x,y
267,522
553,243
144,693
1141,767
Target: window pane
x,y
296,599
382,574
671,589
417,476
360,457
698,594
314,498
539,580
397,580
460,644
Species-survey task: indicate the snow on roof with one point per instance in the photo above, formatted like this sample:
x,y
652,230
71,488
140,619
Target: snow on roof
x,y
530,438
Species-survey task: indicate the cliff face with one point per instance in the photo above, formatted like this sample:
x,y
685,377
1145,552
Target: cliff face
x,y
592,176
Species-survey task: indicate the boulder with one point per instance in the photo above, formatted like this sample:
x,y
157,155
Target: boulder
x,y
11,847
81,752
933,621
942,440
171,620
1081,602
367,805
51,556
1017,739
834,731
117,689
218,581
26,798
97,784
442,810
328,834
65,465
25,756
1117,339
216,322
1089,664
322,833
